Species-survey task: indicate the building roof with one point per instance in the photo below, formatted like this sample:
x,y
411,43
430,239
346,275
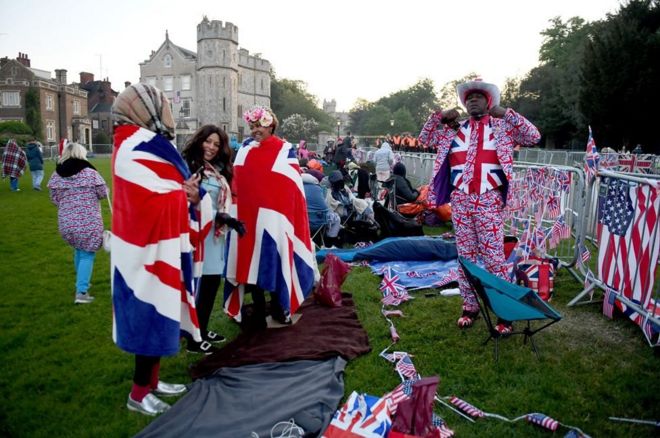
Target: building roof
x,y
101,107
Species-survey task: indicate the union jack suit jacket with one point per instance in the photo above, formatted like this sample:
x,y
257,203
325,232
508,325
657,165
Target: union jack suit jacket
x,y
510,130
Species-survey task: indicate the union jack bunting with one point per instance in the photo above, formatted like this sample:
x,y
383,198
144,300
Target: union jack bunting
x,y
635,163
393,292
156,242
276,252
553,207
591,159
449,277
543,421
361,416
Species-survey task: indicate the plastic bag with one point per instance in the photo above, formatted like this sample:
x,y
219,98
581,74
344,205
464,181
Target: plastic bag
x,y
333,275
414,416
107,240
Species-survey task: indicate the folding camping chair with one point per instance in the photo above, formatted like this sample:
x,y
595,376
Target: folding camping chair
x,y
318,224
509,302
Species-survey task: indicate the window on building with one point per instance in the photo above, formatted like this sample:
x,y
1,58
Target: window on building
x,y
262,84
240,112
76,107
14,71
167,61
224,82
50,130
11,98
168,83
224,104
50,102
185,82
104,124
185,108
151,81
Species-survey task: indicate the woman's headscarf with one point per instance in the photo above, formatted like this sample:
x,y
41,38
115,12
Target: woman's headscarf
x,y
145,106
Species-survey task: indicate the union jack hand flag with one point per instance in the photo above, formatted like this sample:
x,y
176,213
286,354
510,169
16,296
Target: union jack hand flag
x,y
393,292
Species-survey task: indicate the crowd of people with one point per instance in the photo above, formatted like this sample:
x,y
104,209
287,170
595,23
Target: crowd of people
x,y
183,222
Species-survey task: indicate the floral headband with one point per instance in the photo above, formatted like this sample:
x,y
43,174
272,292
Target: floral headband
x,y
259,115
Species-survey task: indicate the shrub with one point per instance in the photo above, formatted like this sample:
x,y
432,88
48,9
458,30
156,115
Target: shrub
x,y
14,127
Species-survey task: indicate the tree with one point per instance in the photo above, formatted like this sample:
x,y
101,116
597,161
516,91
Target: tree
x,y
33,112
377,121
291,97
420,100
296,128
619,89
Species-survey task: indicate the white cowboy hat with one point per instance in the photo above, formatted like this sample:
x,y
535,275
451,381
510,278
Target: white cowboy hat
x,y
491,91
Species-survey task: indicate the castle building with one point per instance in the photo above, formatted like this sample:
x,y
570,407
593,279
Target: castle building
x,y
214,85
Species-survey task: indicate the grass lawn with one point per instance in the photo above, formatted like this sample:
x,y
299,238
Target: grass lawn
x,y
63,376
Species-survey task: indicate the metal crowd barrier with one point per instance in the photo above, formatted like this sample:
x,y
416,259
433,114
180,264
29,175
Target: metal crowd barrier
x,y
623,226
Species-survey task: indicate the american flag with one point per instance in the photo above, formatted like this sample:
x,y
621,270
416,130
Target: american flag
x,y
275,253
608,302
543,421
591,159
585,254
406,369
629,238
466,407
154,237
651,330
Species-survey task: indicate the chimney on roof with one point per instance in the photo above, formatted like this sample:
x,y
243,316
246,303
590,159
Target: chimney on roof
x,y
86,77
127,84
60,76
23,59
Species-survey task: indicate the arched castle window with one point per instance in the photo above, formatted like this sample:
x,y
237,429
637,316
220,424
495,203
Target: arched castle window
x,y
167,61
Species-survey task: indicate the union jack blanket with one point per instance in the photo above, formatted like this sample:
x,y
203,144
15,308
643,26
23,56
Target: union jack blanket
x,y
276,251
157,244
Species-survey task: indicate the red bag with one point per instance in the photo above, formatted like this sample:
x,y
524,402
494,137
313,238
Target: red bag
x,y
334,273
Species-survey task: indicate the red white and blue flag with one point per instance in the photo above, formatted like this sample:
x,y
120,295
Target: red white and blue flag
x,y
629,242
393,292
362,416
591,159
276,251
156,240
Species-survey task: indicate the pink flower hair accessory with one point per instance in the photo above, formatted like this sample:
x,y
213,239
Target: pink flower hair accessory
x,y
259,114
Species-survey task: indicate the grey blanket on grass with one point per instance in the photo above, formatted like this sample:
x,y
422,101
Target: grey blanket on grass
x,y
235,402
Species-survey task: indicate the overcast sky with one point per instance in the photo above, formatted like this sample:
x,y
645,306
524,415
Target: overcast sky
x,y
342,49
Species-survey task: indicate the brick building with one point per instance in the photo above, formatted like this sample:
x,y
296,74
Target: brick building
x,y
100,97
62,106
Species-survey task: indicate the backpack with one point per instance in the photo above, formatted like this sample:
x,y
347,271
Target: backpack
x,y
538,274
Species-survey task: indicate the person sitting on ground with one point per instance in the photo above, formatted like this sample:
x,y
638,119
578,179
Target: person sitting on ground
x,y
403,190
317,208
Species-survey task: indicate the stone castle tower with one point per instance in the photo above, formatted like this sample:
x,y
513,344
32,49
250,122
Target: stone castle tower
x,y
217,73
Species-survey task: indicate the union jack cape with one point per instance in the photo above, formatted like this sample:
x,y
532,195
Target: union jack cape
x,y
157,244
276,251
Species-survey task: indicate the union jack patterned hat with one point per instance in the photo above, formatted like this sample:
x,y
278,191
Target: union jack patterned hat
x,y
490,90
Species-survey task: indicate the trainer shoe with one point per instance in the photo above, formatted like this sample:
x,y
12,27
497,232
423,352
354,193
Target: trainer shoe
x,y
83,299
203,347
504,328
165,389
214,337
150,405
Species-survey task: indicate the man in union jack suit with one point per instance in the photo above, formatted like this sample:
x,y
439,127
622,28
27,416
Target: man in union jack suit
x,y
472,170
276,253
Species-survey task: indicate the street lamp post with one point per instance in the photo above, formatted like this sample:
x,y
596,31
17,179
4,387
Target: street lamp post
x,y
338,124
392,123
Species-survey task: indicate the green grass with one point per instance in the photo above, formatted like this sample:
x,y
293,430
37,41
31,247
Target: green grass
x,y
62,375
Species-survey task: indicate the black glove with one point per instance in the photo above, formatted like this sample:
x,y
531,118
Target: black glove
x,y
224,219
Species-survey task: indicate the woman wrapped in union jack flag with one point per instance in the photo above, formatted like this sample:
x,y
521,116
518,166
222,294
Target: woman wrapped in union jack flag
x,y
160,220
472,170
276,253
